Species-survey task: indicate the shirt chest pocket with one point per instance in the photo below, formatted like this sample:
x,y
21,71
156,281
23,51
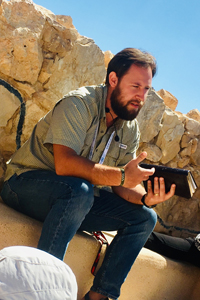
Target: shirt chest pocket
x,y
115,154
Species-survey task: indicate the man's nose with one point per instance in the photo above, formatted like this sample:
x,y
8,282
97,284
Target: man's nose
x,y
141,95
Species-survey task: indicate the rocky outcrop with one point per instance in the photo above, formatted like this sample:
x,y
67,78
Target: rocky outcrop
x,y
168,98
172,139
42,57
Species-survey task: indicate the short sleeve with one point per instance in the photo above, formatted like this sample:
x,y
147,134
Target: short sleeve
x,y
70,120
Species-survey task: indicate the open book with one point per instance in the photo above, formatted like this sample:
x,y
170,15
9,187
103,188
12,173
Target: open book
x,y
185,183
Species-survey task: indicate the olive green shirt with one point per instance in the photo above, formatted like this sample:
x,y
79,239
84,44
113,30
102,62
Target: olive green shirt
x,y
72,123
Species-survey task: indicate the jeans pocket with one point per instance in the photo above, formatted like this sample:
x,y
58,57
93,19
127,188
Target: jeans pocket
x,y
9,197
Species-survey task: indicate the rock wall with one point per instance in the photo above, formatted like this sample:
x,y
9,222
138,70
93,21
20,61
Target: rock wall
x,y
172,139
42,57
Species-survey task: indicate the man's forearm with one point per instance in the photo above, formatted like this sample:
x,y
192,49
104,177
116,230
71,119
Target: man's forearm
x,y
133,195
78,166
68,163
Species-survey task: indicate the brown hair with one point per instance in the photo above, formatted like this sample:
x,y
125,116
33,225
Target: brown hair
x,y
123,60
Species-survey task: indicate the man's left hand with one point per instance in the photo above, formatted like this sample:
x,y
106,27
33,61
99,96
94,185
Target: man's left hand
x,y
158,195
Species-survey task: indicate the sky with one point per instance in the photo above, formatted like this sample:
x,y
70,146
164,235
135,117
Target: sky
x,y
168,29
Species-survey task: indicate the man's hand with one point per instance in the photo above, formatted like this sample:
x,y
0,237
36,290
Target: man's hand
x,y
134,174
158,195
69,163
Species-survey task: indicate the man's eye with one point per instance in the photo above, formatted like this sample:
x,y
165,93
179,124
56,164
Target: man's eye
x,y
136,86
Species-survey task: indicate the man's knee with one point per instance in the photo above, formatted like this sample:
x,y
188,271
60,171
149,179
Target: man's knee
x,y
79,194
151,219
86,195
84,190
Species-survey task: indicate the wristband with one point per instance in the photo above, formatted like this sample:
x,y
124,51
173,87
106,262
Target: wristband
x,y
143,202
123,176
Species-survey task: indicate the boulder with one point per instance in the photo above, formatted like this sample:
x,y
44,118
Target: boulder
x,y
169,137
194,114
168,98
150,117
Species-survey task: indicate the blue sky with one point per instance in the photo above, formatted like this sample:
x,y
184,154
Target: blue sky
x,y
168,29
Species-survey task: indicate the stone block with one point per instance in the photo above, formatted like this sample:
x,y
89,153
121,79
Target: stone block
x,y
150,117
168,98
154,277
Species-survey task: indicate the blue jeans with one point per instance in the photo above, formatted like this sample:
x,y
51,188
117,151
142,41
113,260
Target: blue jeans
x,y
67,204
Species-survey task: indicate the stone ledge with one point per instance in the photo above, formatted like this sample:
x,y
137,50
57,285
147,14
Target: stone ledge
x,y
19,229
152,277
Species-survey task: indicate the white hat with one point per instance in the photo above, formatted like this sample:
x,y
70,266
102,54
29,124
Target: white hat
x,y
30,274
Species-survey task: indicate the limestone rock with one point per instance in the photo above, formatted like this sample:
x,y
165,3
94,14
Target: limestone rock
x,y
42,57
107,57
8,144
181,116
66,21
177,215
195,157
8,105
187,139
20,50
190,149
154,153
183,162
150,117
168,98
33,115
194,114
82,66
169,136
192,126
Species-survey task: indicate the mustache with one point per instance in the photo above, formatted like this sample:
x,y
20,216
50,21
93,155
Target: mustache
x,y
135,101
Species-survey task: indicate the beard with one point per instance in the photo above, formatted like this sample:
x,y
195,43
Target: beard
x,y
121,110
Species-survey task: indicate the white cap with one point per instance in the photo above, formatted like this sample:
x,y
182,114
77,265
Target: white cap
x,y
30,274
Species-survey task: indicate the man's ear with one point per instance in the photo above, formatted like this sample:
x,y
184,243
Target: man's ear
x,y
113,79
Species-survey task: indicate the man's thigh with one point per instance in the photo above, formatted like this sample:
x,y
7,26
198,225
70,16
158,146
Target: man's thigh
x,y
110,212
34,192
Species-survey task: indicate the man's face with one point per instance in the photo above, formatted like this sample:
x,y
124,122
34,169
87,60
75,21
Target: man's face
x,y
130,93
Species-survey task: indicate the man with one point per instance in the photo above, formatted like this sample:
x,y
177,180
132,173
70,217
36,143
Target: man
x,y
87,141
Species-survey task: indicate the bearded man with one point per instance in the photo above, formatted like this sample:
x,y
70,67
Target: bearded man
x,y
86,143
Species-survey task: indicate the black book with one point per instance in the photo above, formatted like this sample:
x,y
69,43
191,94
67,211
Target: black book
x,y
185,183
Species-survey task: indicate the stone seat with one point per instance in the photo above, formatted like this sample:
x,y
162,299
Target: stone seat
x,y
152,277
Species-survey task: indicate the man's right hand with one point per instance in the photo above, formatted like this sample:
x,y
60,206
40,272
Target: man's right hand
x,y
69,163
134,174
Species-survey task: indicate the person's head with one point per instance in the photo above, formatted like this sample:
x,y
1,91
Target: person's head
x,y
129,78
123,60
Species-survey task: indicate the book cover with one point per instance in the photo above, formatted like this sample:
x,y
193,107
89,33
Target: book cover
x,y
185,183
